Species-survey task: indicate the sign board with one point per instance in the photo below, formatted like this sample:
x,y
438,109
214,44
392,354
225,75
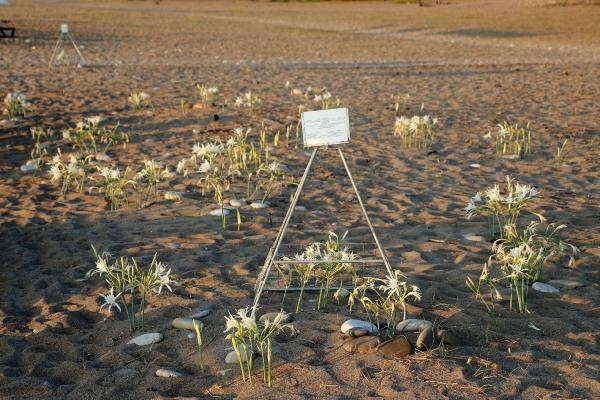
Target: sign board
x,y
325,127
64,28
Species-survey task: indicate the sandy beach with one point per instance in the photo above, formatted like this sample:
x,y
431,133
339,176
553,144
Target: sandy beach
x,y
470,64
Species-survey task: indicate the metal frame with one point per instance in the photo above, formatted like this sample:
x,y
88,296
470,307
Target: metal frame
x,y
59,43
274,250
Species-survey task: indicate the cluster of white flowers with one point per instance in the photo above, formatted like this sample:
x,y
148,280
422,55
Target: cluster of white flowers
x,y
325,252
109,174
61,170
136,99
242,320
247,100
323,97
395,287
88,124
492,199
200,151
207,150
127,275
414,125
16,105
208,94
153,171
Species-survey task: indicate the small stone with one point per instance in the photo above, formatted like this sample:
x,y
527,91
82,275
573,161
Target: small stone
x,y
146,339
270,316
565,284
167,373
397,347
186,323
544,288
201,314
357,323
103,157
475,165
475,238
191,336
361,345
426,339
357,332
29,166
259,204
237,202
125,373
300,208
231,357
413,325
198,106
448,338
219,212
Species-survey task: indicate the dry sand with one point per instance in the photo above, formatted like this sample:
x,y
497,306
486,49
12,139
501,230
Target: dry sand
x,y
472,65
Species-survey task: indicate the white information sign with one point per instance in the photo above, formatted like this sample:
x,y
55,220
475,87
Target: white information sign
x,y
64,28
325,127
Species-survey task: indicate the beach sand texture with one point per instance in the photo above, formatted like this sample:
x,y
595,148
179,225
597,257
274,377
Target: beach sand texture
x,y
471,64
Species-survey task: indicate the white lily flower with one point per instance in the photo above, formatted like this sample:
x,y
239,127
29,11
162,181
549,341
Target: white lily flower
x,y
205,167
95,120
102,267
164,280
231,323
110,300
55,173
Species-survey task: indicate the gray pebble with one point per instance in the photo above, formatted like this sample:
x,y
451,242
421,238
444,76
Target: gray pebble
x,y
237,202
544,288
259,204
219,212
413,325
186,323
167,373
475,238
201,314
357,323
146,339
231,357
357,332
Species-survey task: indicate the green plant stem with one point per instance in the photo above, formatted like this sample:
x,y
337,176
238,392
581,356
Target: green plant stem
x,y
199,340
269,353
299,303
239,357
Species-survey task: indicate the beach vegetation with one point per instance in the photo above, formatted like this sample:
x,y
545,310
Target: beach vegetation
x,y
131,282
390,296
416,132
512,139
247,334
208,94
138,100
16,105
502,205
